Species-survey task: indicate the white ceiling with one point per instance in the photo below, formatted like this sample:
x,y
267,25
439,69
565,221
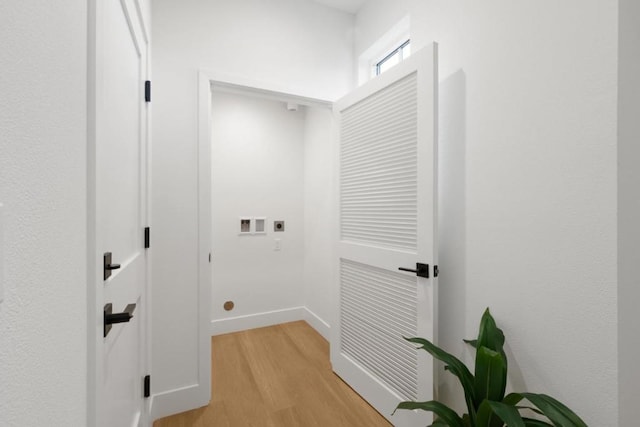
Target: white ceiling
x,y
351,6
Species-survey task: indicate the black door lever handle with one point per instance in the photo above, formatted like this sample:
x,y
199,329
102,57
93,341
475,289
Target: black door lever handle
x,y
110,317
117,318
421,270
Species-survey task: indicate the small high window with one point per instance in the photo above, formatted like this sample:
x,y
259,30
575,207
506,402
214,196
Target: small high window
x,y
394,57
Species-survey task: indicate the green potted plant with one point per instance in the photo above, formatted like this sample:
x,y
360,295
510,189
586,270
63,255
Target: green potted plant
x,y
487,405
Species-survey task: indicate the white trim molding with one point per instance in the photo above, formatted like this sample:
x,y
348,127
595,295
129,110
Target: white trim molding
x,y
270,318
178,400
197,395
258,320
317,323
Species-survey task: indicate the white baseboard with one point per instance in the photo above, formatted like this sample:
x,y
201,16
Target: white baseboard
x,y
149,412
178,400
258,320
270,318
317,323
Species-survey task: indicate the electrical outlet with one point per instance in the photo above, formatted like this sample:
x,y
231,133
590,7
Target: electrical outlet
x,y
278,245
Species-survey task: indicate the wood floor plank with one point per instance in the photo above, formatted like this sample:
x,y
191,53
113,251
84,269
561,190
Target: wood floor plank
x,y
268,368
278,376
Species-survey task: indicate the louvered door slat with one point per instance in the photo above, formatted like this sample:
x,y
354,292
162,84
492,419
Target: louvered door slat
x,y
393,110
366,314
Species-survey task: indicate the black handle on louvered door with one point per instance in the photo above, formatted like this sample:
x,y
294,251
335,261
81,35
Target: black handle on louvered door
x,y
421,270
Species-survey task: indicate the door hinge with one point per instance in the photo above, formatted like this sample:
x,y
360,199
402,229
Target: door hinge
x,y
147,237
147,386
147,91
209,257
436,271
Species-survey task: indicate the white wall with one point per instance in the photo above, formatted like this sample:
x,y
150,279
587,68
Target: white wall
x,y
43,319
288,45
318,215
528,185
629,212
257,171
267,161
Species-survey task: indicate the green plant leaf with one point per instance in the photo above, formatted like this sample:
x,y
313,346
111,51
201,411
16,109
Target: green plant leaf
x,y
530,422
491,375
472,343
443,412
557,412
513,399
507,413
456,367
485,392
485,417
490,335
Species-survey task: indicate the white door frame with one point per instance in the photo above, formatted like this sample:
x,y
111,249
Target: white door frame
x,y
94,291
206,80
197,394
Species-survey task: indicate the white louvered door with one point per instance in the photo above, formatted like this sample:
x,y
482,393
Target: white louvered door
x,y
387,217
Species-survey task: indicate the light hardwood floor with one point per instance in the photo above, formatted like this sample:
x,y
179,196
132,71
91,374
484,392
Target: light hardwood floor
x,y
278,376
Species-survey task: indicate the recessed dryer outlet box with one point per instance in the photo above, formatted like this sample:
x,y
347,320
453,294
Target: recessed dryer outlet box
x,y
278,225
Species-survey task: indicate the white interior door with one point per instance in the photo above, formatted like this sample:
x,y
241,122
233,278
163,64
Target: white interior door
x,y
387,217
121,181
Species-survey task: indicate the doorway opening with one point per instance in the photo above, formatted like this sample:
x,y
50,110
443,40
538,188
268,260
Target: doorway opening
x,y
271,208
269,166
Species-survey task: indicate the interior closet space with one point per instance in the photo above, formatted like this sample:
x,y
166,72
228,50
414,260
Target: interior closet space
x,y
272,177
